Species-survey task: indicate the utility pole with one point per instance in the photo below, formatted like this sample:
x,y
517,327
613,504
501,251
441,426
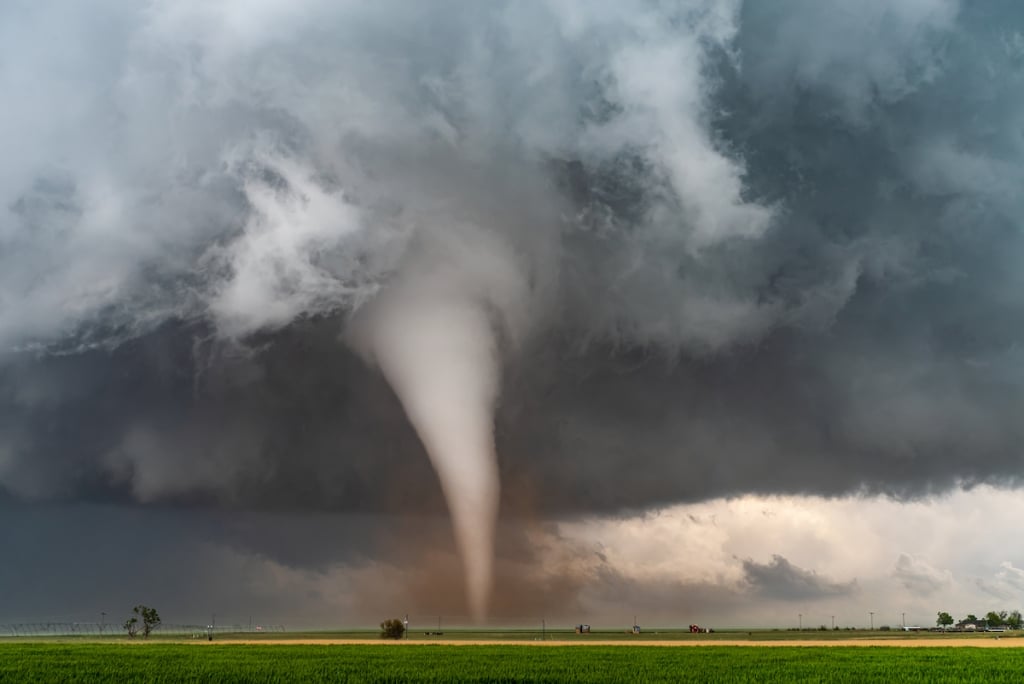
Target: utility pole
x,y
872,614
904,620
543,630
103,620
833,622
800,617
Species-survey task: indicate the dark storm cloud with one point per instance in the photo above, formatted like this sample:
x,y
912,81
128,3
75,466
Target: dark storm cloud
x,y
68,562
782,580
765,248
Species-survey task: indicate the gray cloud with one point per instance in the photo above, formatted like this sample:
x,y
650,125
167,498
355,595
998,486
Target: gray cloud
x,y
1006,583
782,580
918,576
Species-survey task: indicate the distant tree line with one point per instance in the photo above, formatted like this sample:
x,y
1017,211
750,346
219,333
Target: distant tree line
x,y
1011,619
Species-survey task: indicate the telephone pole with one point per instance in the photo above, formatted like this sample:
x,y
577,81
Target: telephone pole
x,y
872,614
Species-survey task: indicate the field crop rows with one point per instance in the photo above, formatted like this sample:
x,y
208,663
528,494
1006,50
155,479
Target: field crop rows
x,y
155,662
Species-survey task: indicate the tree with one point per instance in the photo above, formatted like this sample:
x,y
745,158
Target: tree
x,y
392,629
944,619
1014,619
971,617
150,621
994,619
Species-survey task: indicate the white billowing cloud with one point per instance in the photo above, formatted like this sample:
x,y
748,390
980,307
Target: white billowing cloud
x,y
658,84
281,263
821,557
134,190
690,544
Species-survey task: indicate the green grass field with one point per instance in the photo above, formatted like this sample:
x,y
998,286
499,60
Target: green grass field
x,y
162,662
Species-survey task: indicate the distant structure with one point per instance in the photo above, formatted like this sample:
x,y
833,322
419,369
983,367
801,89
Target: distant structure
x,y
583,629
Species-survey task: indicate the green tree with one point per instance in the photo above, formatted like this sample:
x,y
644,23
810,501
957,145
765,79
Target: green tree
x,y
971,617
1014,619
944,619
994,619
149,617
392,629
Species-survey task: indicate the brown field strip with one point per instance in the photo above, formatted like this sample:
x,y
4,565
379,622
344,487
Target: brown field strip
x,y
993,642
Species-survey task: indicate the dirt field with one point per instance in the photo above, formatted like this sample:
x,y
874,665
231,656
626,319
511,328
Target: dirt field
x,y
994,642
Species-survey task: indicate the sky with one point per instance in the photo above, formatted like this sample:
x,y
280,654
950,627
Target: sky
x,y
326,312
